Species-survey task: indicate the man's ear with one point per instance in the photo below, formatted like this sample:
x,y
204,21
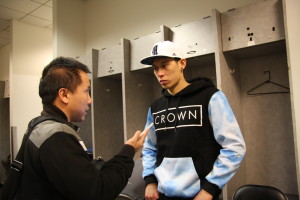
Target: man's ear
x,y
182,63
63,95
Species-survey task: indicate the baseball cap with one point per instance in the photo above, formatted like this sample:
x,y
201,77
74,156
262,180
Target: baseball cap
x,y
163,49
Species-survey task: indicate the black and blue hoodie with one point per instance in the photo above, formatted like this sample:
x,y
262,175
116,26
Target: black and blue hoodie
x,y
196,142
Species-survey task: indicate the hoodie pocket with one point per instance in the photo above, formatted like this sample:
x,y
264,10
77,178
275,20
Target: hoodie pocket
x,y
177,177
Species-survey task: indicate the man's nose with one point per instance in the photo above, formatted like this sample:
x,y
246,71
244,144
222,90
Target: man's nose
x,y
90,100
160,72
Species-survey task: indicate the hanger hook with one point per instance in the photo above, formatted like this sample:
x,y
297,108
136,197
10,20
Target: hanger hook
x,y
269,74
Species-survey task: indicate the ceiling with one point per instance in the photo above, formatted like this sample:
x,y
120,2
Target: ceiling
x,y
35,12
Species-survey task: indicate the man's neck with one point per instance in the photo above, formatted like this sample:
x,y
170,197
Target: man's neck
x,y
178,88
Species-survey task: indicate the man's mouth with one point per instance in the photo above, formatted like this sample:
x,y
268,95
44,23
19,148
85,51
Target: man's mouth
x,y
163,82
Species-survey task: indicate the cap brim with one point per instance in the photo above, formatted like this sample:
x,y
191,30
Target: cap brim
x,y
149,60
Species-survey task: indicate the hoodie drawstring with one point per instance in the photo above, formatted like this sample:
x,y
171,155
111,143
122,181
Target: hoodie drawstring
x,y
167,112
176,112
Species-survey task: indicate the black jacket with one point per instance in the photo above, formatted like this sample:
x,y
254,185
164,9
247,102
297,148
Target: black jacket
x,y
57,167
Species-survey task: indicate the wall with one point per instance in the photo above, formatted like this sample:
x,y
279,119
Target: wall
x,y
31,52
109,20
291,13
4,62
68,28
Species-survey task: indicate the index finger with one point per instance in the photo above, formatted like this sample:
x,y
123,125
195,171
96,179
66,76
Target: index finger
x,y
146,130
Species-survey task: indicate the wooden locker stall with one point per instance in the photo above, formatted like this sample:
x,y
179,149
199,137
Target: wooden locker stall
x,y
108,101
108,116
140,90
253,72
4,133
140,47
196,39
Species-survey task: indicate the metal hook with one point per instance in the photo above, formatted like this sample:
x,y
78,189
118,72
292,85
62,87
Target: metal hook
x,y
269,74
231,70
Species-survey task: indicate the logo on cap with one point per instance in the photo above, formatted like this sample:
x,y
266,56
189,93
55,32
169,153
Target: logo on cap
x,y
154,50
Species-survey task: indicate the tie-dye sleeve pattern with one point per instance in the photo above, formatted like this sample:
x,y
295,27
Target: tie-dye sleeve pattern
x,y
228,134
150,148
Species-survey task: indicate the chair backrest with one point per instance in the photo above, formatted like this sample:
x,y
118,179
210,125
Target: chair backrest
x,y
258,192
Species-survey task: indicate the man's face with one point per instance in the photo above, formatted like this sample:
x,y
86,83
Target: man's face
x,y
80,100
169,73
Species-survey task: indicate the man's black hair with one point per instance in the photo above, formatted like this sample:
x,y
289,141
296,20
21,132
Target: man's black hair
x,y
62,72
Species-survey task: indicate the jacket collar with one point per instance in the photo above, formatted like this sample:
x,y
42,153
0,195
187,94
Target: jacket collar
x,y
56,112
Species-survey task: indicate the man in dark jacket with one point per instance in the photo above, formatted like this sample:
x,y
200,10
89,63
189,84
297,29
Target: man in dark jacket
x,y
196,145
56,164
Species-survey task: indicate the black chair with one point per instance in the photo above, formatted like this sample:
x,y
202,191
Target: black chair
x,y
258,192
124,197
135,189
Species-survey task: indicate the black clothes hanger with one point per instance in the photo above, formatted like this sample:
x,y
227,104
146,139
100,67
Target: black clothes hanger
x,y
251,91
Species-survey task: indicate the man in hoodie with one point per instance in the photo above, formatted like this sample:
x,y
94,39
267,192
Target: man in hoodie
x,y
56,164
196,145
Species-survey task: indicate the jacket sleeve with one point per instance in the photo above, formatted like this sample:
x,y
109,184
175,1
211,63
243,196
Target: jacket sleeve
x,y
69,169
228,134
149,152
